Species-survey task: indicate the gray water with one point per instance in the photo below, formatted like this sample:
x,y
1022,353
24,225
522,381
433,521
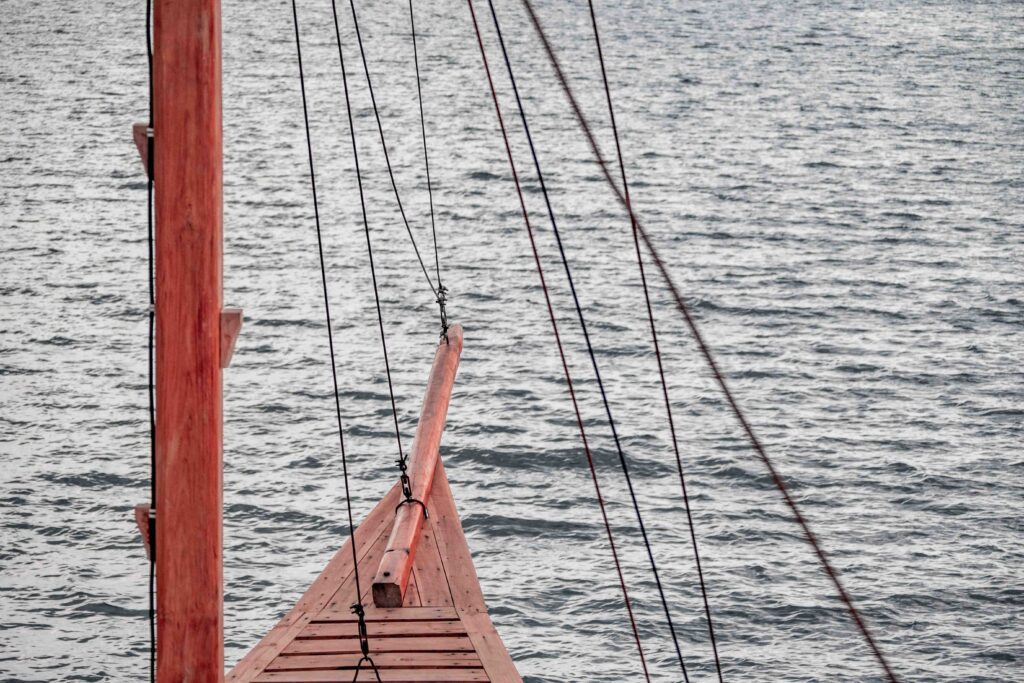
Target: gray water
x,y
838,189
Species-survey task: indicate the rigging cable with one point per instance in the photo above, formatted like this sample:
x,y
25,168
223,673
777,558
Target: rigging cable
x,y
561,351
590,349
442,291
150,387
369,250
383,143
709,358
357,608
657,348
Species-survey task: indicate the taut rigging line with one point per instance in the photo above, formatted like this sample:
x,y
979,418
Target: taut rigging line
x,y
358,607
586,336
709,358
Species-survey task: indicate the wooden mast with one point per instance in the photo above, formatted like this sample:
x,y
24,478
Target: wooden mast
x,y
188,183
392,578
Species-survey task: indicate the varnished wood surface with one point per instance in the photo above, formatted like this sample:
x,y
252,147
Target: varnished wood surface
x,y
392,576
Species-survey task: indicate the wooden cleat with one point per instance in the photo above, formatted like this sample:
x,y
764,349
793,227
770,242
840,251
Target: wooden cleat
x,y
141,132
230,326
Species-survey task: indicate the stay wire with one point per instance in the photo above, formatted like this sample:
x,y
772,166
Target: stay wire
x,y
369,241
358,607
657,348
561,350
710,360
590,348
150,387
384,145
442,291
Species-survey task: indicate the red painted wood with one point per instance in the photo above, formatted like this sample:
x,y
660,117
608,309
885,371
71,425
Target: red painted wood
x,y
187,132
392,578
386,629
342,646
386,675
413,613
383,660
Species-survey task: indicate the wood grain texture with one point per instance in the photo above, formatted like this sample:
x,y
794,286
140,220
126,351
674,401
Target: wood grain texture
x,y
188,167
383,660
386,676
464,584
351,646
392,577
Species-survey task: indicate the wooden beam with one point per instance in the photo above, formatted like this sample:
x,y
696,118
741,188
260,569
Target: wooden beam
x,y
187,132
392,579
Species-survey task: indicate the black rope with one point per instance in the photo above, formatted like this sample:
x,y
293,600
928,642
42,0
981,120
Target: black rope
x,y
150,387
561,349
369,242
657,348
442,291
383,143
590,348
712,364
358,607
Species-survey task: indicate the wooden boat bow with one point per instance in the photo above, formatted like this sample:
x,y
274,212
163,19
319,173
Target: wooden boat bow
x,y
441,630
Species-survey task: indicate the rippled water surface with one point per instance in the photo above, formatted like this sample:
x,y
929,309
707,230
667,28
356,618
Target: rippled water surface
x,y
837,186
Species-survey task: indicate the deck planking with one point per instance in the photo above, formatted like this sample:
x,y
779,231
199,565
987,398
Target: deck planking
x,y
442,633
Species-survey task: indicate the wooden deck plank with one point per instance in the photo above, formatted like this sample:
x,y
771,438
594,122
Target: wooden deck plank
x,y
391,614
386,629
343,646
345,593
432,582
489,647
386,675
452,547
412,592
383,660
464,584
